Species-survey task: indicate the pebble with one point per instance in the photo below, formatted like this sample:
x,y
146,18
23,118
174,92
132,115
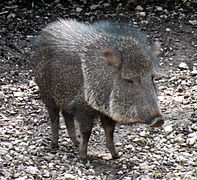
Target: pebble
x,y
8,144
144,166
2,95
194,126
193,22
3,151
106,5
168,29
144,134
18,94
144,177
192,139
159,8
93,7
140,141
51,165
46,174
127,178
130,147
179,98
32,170
139,8
194,72
168,129
183,66
120,172
78,9
143,14
178,139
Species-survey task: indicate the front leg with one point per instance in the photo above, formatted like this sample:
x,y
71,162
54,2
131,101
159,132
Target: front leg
x,y
109,125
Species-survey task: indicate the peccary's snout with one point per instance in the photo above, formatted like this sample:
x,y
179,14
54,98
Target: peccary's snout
x,y
157,122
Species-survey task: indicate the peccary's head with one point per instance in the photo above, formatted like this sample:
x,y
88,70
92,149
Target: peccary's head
x,y
121,84
133,97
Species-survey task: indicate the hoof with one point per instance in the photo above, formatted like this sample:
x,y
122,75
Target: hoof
x,y
115,156
83,161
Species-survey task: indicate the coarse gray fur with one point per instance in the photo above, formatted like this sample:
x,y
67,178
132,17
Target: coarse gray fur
x,y
85,71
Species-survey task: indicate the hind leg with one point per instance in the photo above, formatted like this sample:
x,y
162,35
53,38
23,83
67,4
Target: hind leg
x,y
85,132
53,111
85,122
69,121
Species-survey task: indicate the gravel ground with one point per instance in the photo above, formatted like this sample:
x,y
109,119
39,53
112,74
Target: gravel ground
x,y
169,152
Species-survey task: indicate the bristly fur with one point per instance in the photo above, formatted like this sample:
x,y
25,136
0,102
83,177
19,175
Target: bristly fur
x,y
68,61
101,70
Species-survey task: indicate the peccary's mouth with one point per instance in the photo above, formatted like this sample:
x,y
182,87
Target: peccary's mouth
x,y
157,122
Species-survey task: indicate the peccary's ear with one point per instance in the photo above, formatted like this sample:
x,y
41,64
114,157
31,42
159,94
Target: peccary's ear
x,y
111,57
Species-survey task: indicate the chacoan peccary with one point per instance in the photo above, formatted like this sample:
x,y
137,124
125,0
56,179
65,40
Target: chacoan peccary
x,y
101,70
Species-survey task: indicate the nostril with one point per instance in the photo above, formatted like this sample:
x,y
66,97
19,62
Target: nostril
x,y
157,122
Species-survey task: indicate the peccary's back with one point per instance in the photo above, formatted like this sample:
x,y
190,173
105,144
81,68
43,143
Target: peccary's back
x,y
56,64
57,59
